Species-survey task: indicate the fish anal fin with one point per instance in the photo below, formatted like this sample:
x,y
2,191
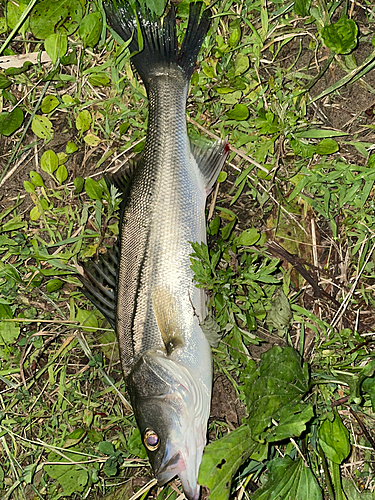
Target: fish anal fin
x,y
210,160
167,316
123,177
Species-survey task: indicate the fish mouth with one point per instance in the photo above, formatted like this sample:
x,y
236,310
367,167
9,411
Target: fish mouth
x,y
176,467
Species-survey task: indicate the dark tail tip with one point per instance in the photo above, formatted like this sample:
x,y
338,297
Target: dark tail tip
x,y
159,40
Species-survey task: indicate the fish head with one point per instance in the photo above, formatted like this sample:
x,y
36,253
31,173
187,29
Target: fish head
x,y
171,412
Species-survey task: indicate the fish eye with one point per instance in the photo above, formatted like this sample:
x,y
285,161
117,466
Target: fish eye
x,y
151,440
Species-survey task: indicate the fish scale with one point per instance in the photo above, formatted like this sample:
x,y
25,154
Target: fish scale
x,y
157,310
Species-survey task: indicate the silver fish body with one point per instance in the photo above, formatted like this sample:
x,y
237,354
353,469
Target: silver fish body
x,y
165,356
160,304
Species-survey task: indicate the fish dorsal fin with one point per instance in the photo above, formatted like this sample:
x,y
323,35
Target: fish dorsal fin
x,y
99,280
210,160
167,315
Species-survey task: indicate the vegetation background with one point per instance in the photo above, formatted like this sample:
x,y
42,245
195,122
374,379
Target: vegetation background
x,y
289,267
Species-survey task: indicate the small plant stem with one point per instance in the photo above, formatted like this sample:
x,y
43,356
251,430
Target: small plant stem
x,y
331,492
336,479
25,13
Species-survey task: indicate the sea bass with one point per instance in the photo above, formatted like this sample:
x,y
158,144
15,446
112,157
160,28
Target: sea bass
x,y
144,286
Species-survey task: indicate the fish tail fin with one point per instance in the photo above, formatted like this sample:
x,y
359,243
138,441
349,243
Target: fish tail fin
x,y
157,46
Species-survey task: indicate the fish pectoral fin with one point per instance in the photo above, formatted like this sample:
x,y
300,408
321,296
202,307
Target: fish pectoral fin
x,y
210,160
167,318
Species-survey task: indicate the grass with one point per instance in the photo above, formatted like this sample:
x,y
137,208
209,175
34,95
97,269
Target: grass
x,y
289,265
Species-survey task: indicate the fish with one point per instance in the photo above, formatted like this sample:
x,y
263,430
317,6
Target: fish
x,y
144,285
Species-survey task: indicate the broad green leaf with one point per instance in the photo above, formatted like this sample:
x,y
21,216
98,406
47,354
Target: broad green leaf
x,y
56,46
42,127
67,99
72,478
55,16
61,174
227,214
71,147
88,319
302,7
235,36
134,444
292,422
74,437
156,6
44,203
34,214
83,121
110,468
123,128
62,158
222,177
36,178
214,225
231,98
92,140
241,64
276,394
226,230
90,29
240,112
106,448
222,459
4,82
327,147
334,439
28,187
9,332
100,79
5,312
78,182
10,121
94,436
93,189
14,13
5,241
341,37
289,479
49,103
248,237
54,284
49,161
